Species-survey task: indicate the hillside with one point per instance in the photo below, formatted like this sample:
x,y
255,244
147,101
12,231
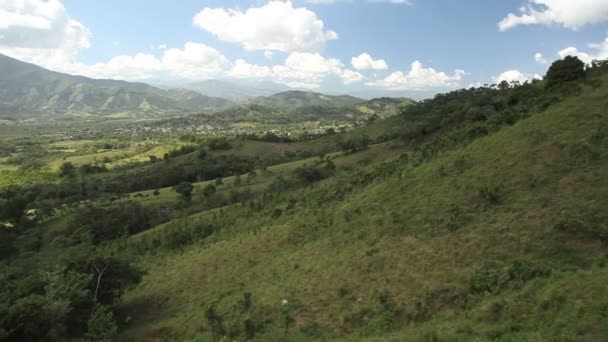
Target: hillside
x,y
503,238
476,215
296,99
27,90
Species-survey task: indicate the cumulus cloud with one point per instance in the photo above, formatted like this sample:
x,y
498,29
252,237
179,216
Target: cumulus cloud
x,y
364,62
305,70
600,51
40,32
540,59
330,2
397,2
596,51
194,60
326,2
419,78
137,67
351,77
242,69
572,14
300,70
276,25
514,76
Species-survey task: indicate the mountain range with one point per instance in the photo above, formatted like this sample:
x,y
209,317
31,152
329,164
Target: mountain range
x,y
27,90
237,91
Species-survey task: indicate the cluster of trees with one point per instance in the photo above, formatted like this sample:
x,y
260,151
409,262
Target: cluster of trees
x,y
96,224
69,299
194,167
354,142
504,103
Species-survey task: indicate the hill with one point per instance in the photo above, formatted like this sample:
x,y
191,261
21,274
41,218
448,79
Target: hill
x,y
296,99
480,216
502,238
233,90
27,90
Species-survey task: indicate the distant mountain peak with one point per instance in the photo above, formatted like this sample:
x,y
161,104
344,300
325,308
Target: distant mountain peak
x,y
28,90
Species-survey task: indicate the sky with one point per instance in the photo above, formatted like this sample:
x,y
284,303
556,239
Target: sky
x,y
336,46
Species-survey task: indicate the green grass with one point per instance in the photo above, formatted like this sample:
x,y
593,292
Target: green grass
x,y
417,234
385,151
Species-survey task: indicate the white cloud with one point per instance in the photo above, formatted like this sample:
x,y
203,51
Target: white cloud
x,y
276,25
40,32
162,46
137,67
364,61
350,77
242,69
540,59
513,76
308,70
572,14
572,51
397,2
331,2
419,78
326,2
598,51
195,60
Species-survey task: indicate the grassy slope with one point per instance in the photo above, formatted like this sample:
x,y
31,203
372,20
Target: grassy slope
x,y
294,98
331,258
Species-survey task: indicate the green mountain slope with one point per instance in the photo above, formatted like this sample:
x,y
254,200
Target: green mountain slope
x,y
294,99
503,239
27,90
479,216
235,91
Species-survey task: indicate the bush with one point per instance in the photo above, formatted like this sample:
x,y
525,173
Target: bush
x,y
490,194
491,279
101,325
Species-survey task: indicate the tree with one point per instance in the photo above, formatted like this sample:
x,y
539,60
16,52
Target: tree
x,y
565,70
101,325
67,169
208,190
184,189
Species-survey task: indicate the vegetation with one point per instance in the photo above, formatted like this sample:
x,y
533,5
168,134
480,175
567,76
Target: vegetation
x,y
475,215
31,91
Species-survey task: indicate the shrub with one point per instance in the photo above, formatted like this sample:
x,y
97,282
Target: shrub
x,y
490,194
101,325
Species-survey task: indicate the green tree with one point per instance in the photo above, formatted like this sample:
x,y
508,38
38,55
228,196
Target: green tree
x,y
101,325
184,189
208,190
565,70
67,169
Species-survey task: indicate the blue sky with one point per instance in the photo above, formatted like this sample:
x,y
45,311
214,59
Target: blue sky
x,y
413,46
